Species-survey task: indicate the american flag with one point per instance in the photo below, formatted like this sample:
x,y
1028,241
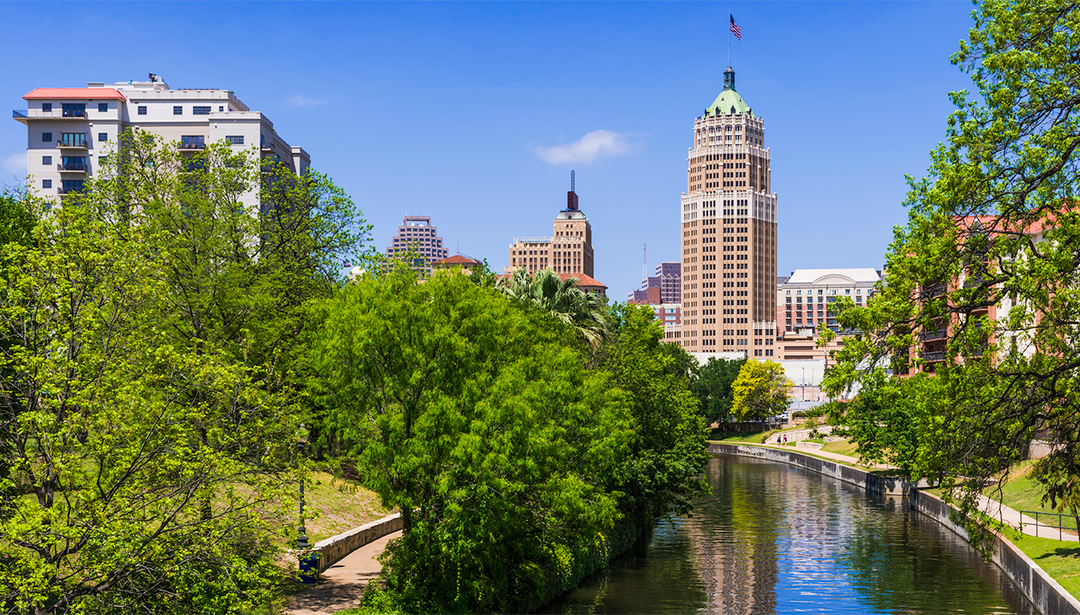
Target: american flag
x,y
735,28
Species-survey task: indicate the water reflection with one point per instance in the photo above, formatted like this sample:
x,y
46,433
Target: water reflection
x,y
777,539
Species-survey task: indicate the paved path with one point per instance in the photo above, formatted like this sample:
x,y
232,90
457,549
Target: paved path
x,y
992,508
343,583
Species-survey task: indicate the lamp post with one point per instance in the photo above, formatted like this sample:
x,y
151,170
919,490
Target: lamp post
x,y
301,538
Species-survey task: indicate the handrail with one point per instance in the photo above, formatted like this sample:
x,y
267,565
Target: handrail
x,y
1036,514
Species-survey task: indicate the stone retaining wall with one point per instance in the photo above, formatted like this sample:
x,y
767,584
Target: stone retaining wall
x,y
333,549
1043,591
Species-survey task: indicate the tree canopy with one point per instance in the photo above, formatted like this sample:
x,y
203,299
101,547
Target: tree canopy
x,y
990,257
761,390
712,384
147,402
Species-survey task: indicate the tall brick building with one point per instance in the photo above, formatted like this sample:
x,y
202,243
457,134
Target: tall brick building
x,y
728,228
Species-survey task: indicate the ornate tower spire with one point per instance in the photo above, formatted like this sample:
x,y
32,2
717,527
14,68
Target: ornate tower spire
x,y
729,79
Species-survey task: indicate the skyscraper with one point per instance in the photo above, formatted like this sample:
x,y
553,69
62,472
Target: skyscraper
x,y
728,232
568,250
418,238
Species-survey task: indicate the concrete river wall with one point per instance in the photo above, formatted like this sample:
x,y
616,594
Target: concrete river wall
x,y
1043,591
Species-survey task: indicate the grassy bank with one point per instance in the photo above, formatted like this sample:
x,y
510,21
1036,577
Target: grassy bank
x,y
338,505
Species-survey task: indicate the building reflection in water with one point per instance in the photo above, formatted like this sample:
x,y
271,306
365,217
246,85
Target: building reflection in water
x,y
774,538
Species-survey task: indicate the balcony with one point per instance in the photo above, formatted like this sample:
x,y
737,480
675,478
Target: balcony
x,y
25,115
974,280
928,336
934,290
933,356
73,167
72,143
191,146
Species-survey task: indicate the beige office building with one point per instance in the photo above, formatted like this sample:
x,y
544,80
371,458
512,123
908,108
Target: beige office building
x,y
729,233
568,250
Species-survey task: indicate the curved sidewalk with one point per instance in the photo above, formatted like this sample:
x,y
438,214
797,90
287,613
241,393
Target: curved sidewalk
x,y
342,585
991,508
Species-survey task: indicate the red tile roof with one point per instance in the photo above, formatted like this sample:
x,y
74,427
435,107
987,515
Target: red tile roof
x,y
583,280
74,94
456,259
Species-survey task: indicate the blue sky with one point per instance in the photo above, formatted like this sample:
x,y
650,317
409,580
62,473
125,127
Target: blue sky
x,y
475,113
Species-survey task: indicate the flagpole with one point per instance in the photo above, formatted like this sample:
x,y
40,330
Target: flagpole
x,y
729,38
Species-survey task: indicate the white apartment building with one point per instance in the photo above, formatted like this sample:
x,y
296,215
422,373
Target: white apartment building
x,y
70,130
802,300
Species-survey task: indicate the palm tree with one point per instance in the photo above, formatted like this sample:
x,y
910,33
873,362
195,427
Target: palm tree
x,y
547,291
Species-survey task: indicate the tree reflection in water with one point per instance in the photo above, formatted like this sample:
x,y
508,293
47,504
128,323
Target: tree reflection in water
x,y
774,538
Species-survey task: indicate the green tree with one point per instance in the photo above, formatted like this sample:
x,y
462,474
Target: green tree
x,y
471,416
144,476
993,226
712,384
547,291
243,243
761,390
661,473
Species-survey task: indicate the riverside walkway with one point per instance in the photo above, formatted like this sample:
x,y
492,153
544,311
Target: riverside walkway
x,y
991,508
342,585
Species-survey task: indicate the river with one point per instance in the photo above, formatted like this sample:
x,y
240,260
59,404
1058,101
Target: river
x,y
773,538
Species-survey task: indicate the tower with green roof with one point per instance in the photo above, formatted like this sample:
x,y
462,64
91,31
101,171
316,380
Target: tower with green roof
x,y
728,233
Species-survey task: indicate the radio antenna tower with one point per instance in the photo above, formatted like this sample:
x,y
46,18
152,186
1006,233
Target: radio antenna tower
x,y
571,180
644,260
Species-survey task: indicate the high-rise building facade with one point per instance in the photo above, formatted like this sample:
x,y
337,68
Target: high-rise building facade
x,y
568,250
71,130
804,298
418,238
728,229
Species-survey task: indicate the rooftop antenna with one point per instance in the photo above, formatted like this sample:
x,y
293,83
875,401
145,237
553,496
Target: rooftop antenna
x,y
644,260
572,180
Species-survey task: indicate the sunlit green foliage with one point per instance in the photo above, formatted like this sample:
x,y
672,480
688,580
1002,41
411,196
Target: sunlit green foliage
x,y
993,230
761,390
711,383
473,419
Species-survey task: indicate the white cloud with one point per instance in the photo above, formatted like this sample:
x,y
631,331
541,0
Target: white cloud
x,y
15,164
588,148
304,101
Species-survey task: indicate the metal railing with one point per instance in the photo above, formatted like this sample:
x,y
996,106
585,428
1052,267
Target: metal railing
x,y
1060,527
26,114
192,145
72,143
935,355
932,335
73,166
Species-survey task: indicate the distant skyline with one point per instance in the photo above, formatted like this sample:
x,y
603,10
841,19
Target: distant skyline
x,y
475,113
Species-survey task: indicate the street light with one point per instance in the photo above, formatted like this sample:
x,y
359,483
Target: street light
x,y
301,538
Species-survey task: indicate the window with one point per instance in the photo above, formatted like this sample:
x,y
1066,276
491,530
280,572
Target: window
x,y
142,109
46,137
74,110
73,139
197,110
46,160
177,110
235,139
221,107
46,183
102,107
192,142
71,185
46,107
102,137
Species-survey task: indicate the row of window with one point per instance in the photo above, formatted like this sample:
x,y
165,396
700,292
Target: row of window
x,y
79,109
66,185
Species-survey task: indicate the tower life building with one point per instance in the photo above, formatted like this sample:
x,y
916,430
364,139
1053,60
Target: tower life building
x,y
729,233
